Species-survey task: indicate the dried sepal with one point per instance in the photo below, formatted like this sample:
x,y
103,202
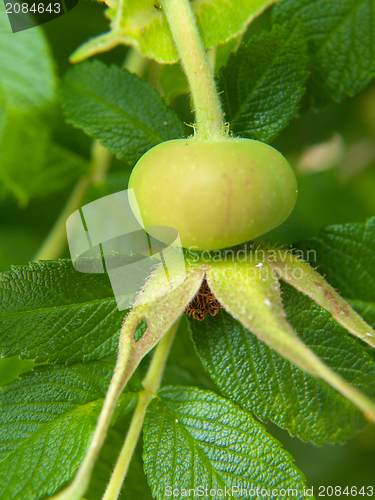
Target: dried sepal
x,y
203,303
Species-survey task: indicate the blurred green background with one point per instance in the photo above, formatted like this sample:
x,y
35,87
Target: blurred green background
x,y
333,153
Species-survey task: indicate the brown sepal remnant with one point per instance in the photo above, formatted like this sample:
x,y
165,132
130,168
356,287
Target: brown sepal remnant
x,y
204,302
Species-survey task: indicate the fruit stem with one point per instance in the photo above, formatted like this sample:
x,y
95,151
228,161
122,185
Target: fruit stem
x,y
151,384
208,112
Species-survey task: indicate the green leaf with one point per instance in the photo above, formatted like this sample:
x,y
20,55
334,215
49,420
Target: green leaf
x,y
223,52
50,312
257,378
23,147
160,304
143,24
345,255
250,291
11,368
194,438
219,21
341,39
31,164
172,81
263,82
47,420
27,78
116,107
307,280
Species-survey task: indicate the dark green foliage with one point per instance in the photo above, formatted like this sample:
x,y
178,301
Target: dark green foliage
x,y
254,376
263,82
31,163
124,112
47,420
51,312
341,39
345,255
195,438
202,432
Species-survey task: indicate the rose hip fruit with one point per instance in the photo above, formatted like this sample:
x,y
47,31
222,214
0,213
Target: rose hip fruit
x,y
215,193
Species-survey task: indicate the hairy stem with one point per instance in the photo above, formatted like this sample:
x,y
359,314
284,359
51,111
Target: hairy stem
x,y
81,481
119,379
209,116
151,384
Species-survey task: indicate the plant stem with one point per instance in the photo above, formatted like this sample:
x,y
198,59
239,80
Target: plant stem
x,y
151,384
117,22
81,481
136,62
100,163
209,116
55,243
211,59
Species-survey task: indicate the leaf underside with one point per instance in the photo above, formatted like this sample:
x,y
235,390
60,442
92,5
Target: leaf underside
x,y
143,24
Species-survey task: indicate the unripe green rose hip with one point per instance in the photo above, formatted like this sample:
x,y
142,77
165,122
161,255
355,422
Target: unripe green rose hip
x,y
215,193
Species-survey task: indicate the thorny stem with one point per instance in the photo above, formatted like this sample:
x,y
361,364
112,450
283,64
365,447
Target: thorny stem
x,y
209,115
151,384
